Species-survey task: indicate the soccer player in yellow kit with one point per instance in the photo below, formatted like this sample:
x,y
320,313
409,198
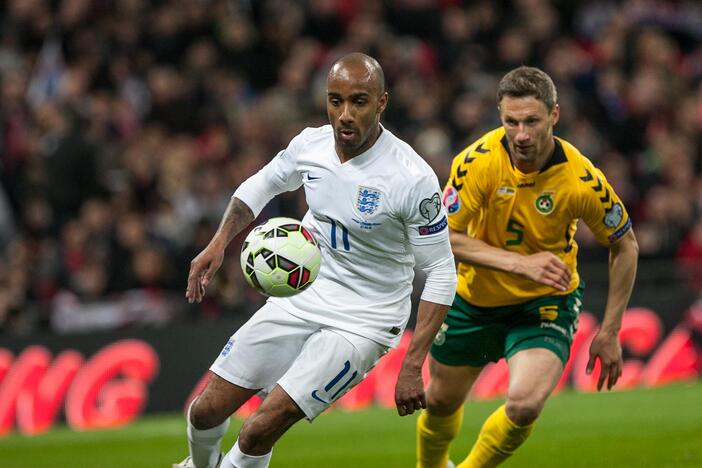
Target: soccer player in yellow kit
x,y
514,198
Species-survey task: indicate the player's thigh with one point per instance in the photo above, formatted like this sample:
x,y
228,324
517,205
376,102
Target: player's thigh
x,y
470,336
449,386
534,373
330,364
263,349
538,343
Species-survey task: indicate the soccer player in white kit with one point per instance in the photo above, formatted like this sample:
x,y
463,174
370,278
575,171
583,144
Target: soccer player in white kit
x,y
376,210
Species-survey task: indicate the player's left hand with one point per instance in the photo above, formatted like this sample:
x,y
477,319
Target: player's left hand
x,y
409,391
607,348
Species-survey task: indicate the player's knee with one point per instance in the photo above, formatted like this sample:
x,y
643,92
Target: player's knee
x,y
252,434
443,403
204,415
265,426
523,411
257,435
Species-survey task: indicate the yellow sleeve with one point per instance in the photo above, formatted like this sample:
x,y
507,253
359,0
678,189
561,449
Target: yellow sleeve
x,y
601,208
466,190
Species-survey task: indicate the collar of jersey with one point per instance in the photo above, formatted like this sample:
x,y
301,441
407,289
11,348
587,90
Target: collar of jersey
x,y
557,157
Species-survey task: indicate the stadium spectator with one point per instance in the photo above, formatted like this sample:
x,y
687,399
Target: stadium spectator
x,y
156,95
690,256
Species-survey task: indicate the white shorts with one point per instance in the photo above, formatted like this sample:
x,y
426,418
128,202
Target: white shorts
x,y
313,363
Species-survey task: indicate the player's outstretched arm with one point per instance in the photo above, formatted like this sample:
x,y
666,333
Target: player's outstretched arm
x,y
409,390
623,257
437,262
203,267
543,267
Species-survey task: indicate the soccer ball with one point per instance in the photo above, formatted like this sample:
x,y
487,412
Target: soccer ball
x,y
280,257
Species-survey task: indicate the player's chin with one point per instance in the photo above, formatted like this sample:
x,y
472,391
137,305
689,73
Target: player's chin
x,y
348,145
526,157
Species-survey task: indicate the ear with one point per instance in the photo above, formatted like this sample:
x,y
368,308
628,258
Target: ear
x,y
382,103
556,113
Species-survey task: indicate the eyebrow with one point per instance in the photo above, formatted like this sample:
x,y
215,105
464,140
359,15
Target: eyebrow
x,y
354,95
526,117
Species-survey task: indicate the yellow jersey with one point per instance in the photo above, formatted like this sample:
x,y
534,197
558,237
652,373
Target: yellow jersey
x,y
488,198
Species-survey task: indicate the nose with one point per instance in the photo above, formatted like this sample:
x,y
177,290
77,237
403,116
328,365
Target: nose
x,y
522,134
346,116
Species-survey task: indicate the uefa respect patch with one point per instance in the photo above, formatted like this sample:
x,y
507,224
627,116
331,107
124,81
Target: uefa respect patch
x,y
433,228
451,200
620,232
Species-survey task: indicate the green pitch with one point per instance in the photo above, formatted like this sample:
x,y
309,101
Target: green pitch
x,y
638,428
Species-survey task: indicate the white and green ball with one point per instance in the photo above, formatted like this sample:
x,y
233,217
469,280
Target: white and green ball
x,y
280,257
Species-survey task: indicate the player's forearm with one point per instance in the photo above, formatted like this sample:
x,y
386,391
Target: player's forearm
x,y
236,217
478,253
430,316
623,257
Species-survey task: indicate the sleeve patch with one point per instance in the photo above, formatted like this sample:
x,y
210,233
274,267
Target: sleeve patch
x,y
433,228
430,207
621,231
451,200
613,216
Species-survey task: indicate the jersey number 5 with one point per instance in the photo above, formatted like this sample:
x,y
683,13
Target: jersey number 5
x,y
517,229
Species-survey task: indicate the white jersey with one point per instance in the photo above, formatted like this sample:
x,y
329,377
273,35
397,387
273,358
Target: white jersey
x,y
365,213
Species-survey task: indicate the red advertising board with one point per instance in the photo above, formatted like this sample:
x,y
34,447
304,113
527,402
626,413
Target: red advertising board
x,y
163,369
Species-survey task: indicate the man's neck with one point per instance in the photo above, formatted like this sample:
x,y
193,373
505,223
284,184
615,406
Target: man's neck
x,y
538,163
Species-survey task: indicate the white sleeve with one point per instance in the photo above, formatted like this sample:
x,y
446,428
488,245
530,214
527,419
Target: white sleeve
x,y
278,176
436,260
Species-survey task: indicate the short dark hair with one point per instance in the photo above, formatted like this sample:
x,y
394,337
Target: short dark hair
x,y
528,81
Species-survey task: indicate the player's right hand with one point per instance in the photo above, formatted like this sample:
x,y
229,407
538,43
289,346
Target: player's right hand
x,y
546,268
202,270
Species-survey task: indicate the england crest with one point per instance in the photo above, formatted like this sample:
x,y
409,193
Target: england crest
x,y
367,200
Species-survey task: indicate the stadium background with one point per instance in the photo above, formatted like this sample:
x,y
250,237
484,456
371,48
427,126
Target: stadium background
x,y
126,125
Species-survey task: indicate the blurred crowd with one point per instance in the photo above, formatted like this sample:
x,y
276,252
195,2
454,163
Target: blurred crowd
x,y
127,124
